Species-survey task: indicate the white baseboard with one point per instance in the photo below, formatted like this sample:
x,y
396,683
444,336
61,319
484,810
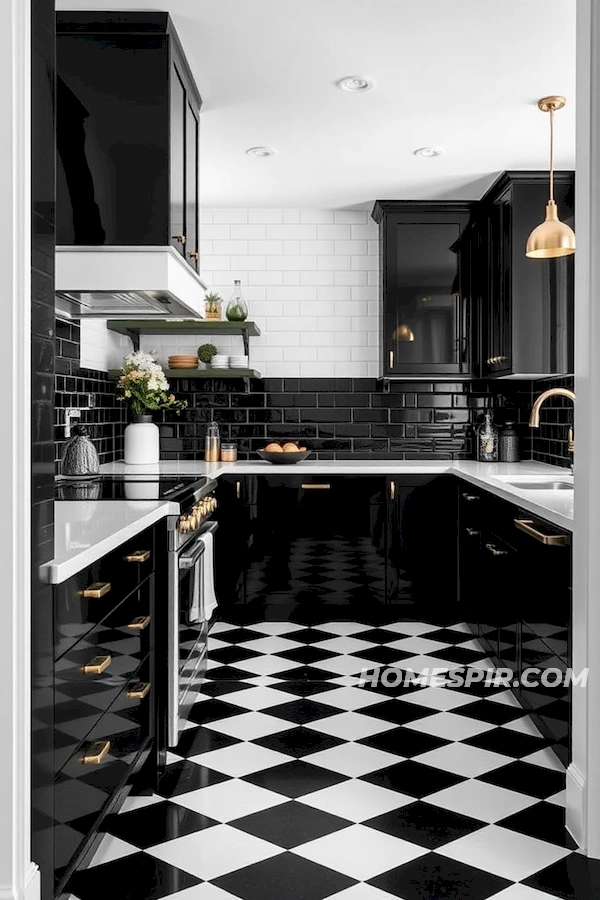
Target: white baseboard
x,y
30,889
576,822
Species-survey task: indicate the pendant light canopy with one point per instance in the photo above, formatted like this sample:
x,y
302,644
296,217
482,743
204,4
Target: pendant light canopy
x,y
552,238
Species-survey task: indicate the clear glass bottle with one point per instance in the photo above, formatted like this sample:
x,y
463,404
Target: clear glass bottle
x,y
237,309
487,439
212,444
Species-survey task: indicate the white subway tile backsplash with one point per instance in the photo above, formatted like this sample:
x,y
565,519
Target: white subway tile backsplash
x,y
249,263
216,263
318,247
364,293
291,292
352,248
351,278
281,339
334,232
365,263
291,247
316,308
317,277
230,216
337,292
291,216
334,263
334,323
205,216
247,232
317,216
228,248
293,323
316,338
333,354
291,278
363,232
300,354
296,263
265,216
264,247
319,369
351,216
364,354
265,278
293,232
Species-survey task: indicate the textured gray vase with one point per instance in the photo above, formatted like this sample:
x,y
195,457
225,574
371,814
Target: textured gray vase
x,y
80,456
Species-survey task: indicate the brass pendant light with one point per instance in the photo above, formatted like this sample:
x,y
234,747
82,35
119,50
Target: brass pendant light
x,y
552,238
403,333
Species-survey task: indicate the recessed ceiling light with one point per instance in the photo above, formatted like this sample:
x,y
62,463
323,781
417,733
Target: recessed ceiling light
x,y
356,84
260,152
428,152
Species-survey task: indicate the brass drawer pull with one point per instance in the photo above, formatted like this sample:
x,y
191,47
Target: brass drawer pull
x,y
391,359
180,238
97,665
139,623
139,690
96,590
551,540
496,552
315,487
471,497
238,489
472,532
392,490
138,556
193,254
96,753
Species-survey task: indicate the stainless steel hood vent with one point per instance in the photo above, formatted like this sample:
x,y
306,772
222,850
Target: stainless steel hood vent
x,y
120,282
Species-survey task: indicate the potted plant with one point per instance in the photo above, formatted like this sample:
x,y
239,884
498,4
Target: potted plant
x,y
212,306
143,385
206,353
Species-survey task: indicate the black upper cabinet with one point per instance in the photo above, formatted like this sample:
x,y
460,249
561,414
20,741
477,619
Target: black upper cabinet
x,y
127,133
527,304
425,315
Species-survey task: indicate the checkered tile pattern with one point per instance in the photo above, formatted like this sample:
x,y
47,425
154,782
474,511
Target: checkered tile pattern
x,y
295,781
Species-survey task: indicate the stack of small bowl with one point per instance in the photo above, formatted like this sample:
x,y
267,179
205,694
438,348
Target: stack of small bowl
x,y
219,361
238,362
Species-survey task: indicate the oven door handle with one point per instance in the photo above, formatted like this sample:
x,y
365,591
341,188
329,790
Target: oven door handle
x,y
189,560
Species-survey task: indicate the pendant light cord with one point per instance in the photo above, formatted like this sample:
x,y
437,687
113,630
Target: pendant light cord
x,y
551,154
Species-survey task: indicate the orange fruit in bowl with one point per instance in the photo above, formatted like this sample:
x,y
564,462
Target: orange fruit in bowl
x,y
273,448
290,447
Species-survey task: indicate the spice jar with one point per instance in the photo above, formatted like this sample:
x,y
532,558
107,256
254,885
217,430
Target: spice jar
x,y
228,452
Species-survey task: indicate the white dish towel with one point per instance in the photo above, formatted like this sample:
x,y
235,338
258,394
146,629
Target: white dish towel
x,y
208,574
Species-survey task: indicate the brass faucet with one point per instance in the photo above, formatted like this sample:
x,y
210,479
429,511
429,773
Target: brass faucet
x,y
534,419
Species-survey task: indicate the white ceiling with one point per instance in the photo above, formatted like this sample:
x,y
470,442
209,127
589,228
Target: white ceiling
x,y
463,75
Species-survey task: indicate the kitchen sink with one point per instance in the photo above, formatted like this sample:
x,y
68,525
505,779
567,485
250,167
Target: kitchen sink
x,y
542,485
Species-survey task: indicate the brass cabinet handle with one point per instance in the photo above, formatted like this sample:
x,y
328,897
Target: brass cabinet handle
x,y
139,690
391,359
471,497
138,556
392,490
315,487
238,489
472,532
96,590
97,665
500,359
180,238
139,623
96,753
193,254
496,552
551,540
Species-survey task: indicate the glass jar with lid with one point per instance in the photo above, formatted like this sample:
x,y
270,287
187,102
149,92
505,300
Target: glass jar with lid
x,y
228,451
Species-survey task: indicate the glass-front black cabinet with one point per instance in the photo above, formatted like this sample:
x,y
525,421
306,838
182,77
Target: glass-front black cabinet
x,y
127,124
425,309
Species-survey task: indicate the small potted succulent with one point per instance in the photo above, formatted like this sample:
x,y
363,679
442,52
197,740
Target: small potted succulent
x,y
143,385
212,306
206,353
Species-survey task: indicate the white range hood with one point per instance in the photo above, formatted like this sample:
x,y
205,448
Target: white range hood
x,y
120,282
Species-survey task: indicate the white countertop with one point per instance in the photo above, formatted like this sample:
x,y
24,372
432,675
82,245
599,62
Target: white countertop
x,y
86,530
554,506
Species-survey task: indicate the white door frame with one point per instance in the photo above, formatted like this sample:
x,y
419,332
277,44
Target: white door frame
x,y
583,777
19,877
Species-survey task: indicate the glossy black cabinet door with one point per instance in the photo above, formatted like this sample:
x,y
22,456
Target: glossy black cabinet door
x,y
423,312
527,308
127,133
318,547
422,546
236,511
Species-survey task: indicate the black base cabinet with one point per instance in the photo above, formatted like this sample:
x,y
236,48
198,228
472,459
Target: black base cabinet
x,y
515,577
103,698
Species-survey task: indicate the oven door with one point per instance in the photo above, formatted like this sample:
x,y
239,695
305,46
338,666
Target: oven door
x,y
188,632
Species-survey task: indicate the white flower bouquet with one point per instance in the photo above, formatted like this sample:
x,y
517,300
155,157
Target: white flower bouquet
x,y
144,385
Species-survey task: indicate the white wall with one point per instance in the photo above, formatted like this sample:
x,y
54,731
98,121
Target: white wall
x,y
309,277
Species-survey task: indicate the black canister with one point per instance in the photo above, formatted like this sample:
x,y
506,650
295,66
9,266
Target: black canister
x,y
508,445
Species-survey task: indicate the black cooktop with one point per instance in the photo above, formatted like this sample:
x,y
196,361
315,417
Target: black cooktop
x,y
129,487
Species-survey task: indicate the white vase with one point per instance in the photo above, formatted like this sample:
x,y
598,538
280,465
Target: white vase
x,y
142,446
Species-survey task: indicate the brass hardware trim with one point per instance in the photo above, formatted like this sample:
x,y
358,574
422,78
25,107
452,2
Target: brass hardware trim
x,y
472,532
493,549
471,497
391,359
238,489
139,623
96,590
315,487
193,254
96,753
138,556
139,690
551,540
180,238
392,490
97,665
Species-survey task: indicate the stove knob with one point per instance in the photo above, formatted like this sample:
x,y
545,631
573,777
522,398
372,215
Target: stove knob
x,y
182,525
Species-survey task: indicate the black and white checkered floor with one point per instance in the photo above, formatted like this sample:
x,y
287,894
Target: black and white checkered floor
x,y
297,783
